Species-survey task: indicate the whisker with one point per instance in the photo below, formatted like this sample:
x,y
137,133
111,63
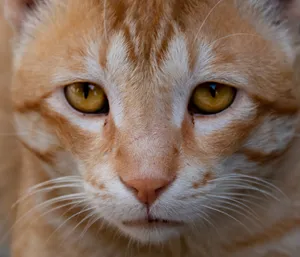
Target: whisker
x,y
237,204
253,179
209,221
86,218
228,215
232,35
73,204
250,179
250,183
90,224
57,180
86,209
222,205
32,190
45,190
241,195
77,196
238,197
105,19
206,18
253,188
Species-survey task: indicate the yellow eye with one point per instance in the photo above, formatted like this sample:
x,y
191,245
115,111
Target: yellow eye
x,y
211,98
87,98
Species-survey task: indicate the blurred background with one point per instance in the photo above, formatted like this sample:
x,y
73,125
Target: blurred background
x,y
9,159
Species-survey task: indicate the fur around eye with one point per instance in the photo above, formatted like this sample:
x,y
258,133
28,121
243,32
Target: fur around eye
x,y
211,98
87,98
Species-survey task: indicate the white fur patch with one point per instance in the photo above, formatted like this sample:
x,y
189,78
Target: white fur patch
x,y
176,70
242,109
60,105
274,134
119,70
32,129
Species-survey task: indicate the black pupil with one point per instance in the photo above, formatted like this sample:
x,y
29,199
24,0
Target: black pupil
x,y
213,90
86,90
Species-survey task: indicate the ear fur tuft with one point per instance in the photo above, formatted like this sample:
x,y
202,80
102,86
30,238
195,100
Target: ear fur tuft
x,y
277,20
17,10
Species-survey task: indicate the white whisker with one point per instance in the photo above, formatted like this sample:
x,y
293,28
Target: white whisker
x,y
70,197
90,224
228,215
33,190
206,18
105,19
73,204
246,186
246,198
46,190
232,35
251,179
86,209
236,203
208,220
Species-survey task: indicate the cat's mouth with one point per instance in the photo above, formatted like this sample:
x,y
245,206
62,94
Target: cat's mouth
x,y
149,222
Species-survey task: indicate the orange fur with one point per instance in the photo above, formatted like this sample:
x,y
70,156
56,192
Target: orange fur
x,y
228,171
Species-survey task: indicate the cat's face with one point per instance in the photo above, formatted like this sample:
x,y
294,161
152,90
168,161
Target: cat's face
x,y
165,109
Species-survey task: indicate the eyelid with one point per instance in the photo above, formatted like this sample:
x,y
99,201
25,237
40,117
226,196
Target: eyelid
x,y
217,81
231,82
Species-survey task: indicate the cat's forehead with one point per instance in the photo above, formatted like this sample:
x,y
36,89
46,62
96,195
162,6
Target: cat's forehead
x,y
133,42
148,14
152,22
147,24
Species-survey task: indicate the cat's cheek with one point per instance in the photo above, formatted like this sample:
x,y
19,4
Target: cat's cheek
x,y
62,164
35,132
108,195
215,137
242,109
273,135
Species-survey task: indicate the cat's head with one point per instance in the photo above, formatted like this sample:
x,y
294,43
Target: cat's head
x,y
165,110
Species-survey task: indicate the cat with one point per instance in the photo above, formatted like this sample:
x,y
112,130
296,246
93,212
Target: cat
x,y
156,128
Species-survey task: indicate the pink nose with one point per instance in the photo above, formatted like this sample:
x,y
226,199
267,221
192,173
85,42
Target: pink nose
x,y
147,190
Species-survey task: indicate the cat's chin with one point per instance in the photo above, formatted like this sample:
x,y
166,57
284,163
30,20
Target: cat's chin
x,y
151,233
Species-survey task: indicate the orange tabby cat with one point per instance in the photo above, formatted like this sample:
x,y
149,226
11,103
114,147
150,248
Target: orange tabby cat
x,y
157,128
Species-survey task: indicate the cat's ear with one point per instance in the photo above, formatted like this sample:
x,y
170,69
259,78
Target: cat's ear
x,y
279,20
16,11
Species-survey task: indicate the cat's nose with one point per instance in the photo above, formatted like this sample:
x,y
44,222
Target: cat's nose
x,y
147,190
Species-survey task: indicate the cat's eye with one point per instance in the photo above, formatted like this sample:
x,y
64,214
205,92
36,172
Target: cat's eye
x,y
87,98
211,98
